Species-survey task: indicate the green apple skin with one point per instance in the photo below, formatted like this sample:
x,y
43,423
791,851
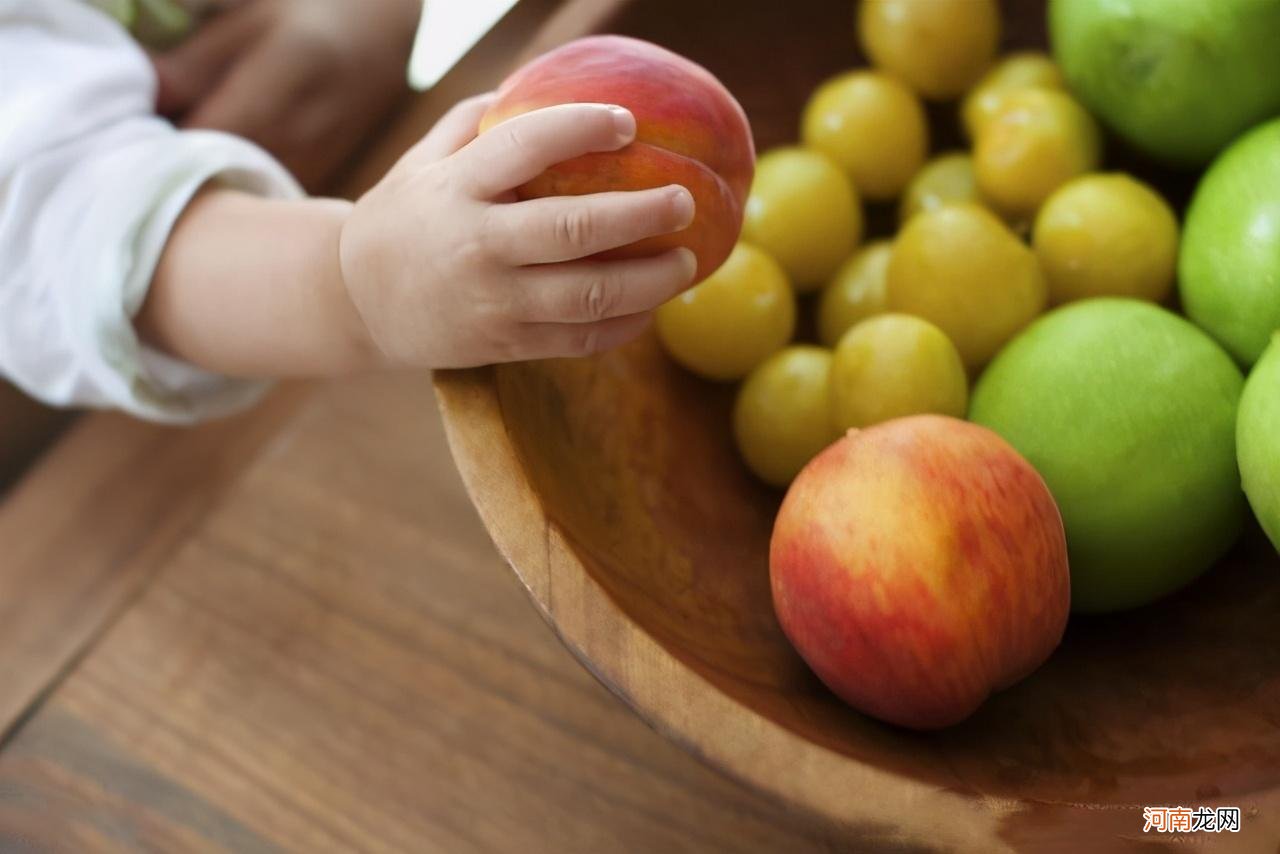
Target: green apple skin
x,y
1129,414
1229,265
1258,440
1178,79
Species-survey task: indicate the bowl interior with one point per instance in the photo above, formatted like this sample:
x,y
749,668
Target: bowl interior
x,y
633,460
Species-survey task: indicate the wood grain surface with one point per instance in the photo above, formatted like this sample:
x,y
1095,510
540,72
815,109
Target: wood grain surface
x,y
101,511
26,429
336,659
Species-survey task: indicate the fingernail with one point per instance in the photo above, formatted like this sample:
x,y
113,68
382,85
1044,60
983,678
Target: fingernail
x,y
624,123
690,262
683,205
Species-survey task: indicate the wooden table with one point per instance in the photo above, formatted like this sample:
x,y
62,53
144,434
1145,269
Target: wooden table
x,y
289,631
327,655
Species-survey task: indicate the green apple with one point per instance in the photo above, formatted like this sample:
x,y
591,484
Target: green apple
x,y
1179,79
1258,440
1229,266
1129,413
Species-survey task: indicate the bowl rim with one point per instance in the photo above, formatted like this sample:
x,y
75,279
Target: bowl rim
x,y
664,691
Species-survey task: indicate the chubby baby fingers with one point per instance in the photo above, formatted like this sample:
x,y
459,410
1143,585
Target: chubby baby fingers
x,y
454,130
590,291
565,228
523,147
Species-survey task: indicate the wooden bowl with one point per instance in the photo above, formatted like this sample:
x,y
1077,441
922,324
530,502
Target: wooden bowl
x,y
612,487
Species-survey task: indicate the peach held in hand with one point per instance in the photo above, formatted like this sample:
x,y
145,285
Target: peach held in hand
x,y
918,566
689,131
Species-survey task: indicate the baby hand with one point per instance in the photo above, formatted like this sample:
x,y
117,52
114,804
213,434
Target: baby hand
x,y
447,269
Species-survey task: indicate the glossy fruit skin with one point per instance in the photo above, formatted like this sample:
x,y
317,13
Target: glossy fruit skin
x,y
938,47
805,213
894,365
945,180
1178,79
740,315
1229,267
918,566
1129,413
856,293
1258,440
1021,70
689,131
781,418
872,126
1107,235
1037,140
960,268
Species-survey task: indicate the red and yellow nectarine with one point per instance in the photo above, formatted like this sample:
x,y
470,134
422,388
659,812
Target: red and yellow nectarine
x,y
689,131
919,565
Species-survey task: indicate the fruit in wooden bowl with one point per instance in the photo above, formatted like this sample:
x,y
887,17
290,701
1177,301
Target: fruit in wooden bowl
x,y
917,566
1023,70
960,268
1036,141
872,126
689,131
613,487
1229,269
1129,412
1106,235
940,47
1177,78
1258,440
892,365
804,212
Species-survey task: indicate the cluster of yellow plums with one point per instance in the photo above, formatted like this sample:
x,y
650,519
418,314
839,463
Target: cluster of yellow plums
x,y
903,325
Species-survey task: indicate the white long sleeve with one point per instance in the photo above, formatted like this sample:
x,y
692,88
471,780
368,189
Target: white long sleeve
x,y
91,183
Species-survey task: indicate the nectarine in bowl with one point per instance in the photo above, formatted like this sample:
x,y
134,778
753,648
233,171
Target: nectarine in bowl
x,y
613,488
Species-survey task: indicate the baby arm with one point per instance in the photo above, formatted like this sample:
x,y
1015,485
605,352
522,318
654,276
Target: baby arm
x,y
437,266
